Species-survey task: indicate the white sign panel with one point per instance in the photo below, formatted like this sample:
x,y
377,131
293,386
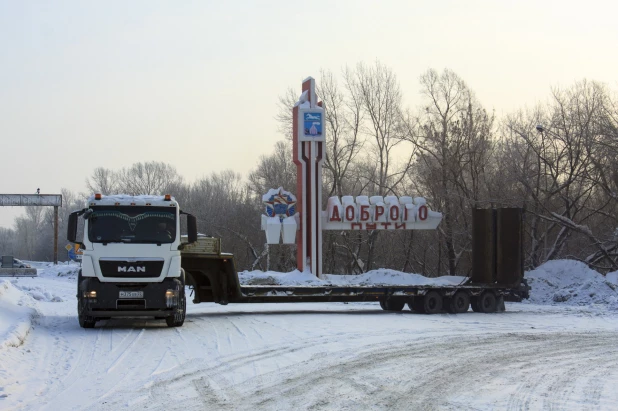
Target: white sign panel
x,y
380,213
31,200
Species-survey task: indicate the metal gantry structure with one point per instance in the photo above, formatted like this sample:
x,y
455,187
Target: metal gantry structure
x,y
36,200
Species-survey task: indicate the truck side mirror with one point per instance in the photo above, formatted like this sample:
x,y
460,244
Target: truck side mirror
x,y
191,228
72,227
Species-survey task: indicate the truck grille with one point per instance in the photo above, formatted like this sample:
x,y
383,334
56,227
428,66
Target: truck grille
x,y
132,269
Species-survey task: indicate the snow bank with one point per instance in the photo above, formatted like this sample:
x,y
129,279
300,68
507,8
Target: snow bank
x,y
276,278
16,315
612,277
45,269
374,277
39,293
19,301
572,283
385,276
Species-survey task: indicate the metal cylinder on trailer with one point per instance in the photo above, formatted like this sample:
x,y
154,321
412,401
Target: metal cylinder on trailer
x,y
509,253
483,246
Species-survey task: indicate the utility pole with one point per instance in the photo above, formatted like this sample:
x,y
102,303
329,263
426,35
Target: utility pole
x,y
55,235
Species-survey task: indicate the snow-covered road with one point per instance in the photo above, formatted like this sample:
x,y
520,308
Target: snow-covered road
x,y
312,356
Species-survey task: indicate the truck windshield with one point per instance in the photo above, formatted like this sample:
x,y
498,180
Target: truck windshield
x,y
132,224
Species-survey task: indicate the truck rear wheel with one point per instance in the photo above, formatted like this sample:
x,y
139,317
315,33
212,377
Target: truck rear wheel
x,y
458,303
389,305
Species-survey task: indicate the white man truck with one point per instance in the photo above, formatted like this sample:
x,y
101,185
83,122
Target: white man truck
x,y
135,265
131,264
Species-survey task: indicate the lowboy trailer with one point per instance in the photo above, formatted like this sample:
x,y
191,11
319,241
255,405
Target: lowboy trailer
x,y
497,276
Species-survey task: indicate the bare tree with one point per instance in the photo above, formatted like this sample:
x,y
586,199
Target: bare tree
x,y
388,158
566,184
8,241
28,231
376,91
102,181
274,170
344,117
453,135
147,178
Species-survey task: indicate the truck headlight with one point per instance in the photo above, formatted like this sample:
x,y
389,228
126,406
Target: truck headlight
x,y
171,298
90,294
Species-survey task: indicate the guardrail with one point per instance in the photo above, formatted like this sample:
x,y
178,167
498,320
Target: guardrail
x,y
18,272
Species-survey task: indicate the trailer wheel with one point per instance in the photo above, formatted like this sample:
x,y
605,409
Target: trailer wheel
x,y
485,303
458,303
390,305
432,302
178,318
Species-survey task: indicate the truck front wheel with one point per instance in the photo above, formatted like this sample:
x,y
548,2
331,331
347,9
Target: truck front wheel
x,y
178,318
85,321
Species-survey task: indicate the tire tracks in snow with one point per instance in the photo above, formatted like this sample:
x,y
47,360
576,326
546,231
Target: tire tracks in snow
x,y
516,371
193,372
124,353
279,368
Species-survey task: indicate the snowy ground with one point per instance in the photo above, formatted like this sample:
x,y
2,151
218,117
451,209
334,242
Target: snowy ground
x,y
557,352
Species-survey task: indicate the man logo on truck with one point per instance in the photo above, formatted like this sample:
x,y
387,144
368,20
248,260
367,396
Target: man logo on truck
x,y
124,269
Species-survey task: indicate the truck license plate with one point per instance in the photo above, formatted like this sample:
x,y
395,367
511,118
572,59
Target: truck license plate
x,y
131,294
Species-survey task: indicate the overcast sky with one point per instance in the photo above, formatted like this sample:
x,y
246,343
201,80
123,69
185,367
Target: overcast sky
x,y
195,84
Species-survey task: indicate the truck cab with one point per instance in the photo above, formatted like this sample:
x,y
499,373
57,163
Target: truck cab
x,y
131,264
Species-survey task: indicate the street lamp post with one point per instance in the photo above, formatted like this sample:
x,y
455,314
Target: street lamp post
x,y
541,131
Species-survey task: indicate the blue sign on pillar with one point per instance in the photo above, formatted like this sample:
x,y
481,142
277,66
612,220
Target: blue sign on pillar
x,y
313,125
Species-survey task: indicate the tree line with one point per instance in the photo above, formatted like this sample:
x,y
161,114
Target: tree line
x,y
557,160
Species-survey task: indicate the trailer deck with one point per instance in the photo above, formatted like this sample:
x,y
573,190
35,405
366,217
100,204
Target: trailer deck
x,y
212,276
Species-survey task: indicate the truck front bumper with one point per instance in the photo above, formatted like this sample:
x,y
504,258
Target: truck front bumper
x,y
104,299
